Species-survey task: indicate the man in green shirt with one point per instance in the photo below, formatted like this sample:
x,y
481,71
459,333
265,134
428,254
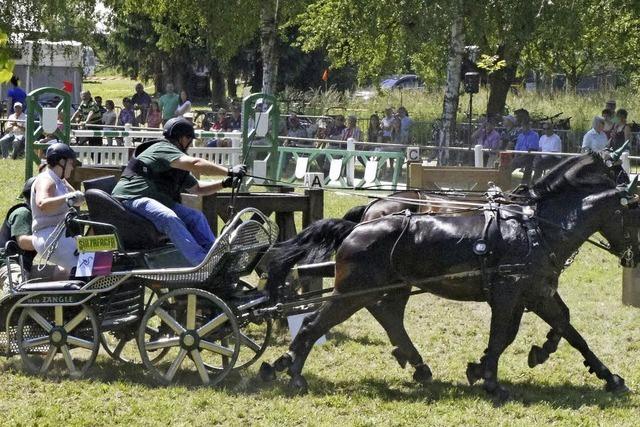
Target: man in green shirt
x,y
168,103
17,227
154,178
89,115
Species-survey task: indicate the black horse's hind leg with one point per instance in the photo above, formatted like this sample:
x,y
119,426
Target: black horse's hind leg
x,y
552,312
389,312
330,314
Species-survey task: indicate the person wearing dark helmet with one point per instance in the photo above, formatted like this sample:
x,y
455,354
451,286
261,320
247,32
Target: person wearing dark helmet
x,y
154,178
50,199
17,227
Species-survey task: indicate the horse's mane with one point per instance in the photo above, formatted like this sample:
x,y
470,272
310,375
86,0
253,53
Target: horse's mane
x,y
588,170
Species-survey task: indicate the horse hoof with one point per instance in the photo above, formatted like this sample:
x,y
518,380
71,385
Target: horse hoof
x,y
283,362
400,357
267,372
422,374
537,356
474,372
616,385
299,384
497,391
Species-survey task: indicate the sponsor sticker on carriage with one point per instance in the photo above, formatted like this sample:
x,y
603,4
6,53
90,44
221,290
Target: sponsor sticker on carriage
x,y
94,264
103,242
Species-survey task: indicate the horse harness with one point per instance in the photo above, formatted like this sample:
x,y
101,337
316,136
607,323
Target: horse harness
x,y
487,247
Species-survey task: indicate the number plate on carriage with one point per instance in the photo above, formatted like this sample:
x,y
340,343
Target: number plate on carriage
x,y
101,243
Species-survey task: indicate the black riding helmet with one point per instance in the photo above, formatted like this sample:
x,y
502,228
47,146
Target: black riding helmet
x,y
177,127
58,151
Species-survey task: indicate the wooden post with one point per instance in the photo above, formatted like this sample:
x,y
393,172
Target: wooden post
x,y
315,210
631,286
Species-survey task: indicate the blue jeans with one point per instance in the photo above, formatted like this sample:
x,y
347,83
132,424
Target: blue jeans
x,y
187,228
5,144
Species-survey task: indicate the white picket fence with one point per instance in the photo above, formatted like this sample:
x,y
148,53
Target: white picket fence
x,y
106,156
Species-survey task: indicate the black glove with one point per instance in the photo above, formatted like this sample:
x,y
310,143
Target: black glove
x,y
227,182
238,171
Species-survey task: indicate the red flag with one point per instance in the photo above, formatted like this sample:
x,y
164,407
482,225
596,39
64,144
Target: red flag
x,y
325,75
67,86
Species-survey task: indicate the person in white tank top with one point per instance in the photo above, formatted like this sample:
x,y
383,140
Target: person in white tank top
x,y
50,200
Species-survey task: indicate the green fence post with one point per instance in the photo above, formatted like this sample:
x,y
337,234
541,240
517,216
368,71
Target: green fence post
x,y
272,135
34,130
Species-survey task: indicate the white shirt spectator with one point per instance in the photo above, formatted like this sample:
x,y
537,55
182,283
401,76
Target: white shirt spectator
x,y
551,143
594,140
386,126
16,127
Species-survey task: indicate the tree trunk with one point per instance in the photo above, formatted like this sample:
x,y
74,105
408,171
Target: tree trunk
x,y
217,84
500,81
268,45
232,87
452,89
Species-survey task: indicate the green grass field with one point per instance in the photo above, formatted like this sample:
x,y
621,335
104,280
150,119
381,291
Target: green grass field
x,y
354,380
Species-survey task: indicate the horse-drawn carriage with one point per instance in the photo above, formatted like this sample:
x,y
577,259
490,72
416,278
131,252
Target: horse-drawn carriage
x,y
146,303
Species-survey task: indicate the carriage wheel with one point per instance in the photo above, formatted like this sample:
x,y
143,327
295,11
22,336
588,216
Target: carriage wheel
x,y
122,344
70,333
198,322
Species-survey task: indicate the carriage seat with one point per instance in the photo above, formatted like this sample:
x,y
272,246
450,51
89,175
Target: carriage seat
x,y
136,233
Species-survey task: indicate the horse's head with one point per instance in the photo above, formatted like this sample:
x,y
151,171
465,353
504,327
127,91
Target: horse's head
x,y
620,225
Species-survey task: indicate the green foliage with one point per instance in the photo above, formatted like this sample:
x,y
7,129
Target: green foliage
x,y
491,63
578,37
6,64
381,37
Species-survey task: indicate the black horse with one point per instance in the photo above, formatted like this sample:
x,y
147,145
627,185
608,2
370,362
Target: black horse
x,y
521,260
389,311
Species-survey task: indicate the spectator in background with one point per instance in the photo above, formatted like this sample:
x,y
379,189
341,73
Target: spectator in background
x,y
352,130
549,142
221,124
296,130
386,123
109,117
235,122
98,100
141,102
374,133
154,115
337,128
88,115
509,134
610,105
184,106
16,94
127,116
489,138
528,140
621,131
168,103
15,132
607,115
405,125
596,139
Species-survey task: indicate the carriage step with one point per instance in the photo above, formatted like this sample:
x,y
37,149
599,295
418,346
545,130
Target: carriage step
x,y
62,285
321,269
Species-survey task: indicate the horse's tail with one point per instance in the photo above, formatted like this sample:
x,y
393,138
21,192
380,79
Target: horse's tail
x,y
314,244
355,214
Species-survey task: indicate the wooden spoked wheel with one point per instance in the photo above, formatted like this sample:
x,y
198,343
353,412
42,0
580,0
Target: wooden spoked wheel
x,y
58,339
199,325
